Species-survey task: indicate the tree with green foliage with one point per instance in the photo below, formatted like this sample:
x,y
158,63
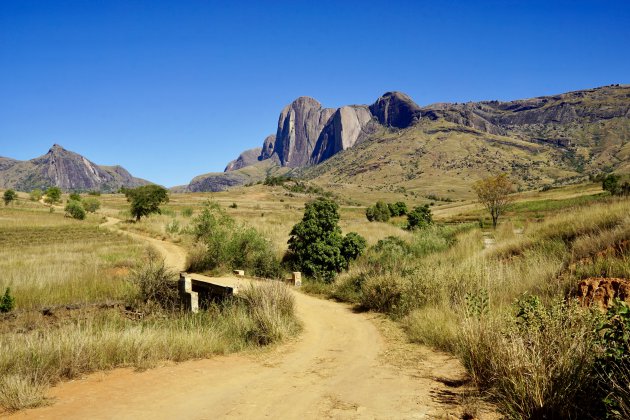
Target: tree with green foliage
x,y
146,200
398,208
91,204
611,184
75,210
36,194
9,196
53,195
7,302
316,243
378,212
494,193
352,246
419,217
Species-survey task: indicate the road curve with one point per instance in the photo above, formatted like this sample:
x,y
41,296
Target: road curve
x,y
339,367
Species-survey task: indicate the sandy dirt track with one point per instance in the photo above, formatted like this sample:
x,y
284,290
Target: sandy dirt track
x,y
339,367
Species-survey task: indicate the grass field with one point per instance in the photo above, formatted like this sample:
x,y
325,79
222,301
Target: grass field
x,y
78,308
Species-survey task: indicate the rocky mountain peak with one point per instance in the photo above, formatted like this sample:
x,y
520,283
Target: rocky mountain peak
x,y
395,109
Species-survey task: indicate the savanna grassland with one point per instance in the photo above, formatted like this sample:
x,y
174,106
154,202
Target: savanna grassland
x,y
88,298
503,301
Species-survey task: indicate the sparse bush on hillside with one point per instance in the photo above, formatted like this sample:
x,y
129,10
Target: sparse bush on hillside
x,y
74,197
75,210
187,211
352,246
91,204
36,194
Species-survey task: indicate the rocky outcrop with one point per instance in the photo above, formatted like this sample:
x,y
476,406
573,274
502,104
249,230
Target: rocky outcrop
x,y
347,126
395,109
502,117
268,147
601,292
247,158
66,170
299,127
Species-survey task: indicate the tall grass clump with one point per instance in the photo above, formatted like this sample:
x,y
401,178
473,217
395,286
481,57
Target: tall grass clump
x,y
271,307
537,364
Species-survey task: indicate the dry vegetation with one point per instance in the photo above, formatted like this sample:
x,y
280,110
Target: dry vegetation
x,y
90,299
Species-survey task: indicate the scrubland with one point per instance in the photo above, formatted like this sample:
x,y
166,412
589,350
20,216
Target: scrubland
x,y
502,300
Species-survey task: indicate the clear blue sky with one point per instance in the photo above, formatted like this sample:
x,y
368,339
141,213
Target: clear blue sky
x,y
174,89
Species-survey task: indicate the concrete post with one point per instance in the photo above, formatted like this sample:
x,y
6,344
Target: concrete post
x,y
297,278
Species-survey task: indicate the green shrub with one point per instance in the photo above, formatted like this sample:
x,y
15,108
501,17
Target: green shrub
x,y
172,226
187,211
233,206
91,204
378,213
7,302
9,196
420,217
398,208
36,194
75,210
384,293
224,244
74,197
352,246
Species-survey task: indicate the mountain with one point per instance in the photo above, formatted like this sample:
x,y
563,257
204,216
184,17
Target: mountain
x,y
538,140
66,170
247,158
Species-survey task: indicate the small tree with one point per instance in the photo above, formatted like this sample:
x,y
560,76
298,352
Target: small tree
x,y
7,302
91,204
146,200
9,196
53,195
398,208
75,210
611,184
420,217
494,193
316,245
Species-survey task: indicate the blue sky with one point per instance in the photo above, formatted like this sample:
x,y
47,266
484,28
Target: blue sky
x,y
174,89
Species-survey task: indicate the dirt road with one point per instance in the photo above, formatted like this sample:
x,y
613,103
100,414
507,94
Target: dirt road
x,y
339,367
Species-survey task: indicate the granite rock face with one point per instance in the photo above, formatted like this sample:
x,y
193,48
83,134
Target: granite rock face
x,y
299,127
347,126
268,147
395,109
66,170
247,158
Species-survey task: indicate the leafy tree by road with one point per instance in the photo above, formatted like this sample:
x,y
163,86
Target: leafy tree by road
x,y
75,210
146,200
317,246
494,193
9,196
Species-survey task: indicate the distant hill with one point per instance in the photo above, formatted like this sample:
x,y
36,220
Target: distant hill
x,y
395,144
66,170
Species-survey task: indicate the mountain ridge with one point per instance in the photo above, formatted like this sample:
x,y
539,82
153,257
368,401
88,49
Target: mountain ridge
x,y
65,169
